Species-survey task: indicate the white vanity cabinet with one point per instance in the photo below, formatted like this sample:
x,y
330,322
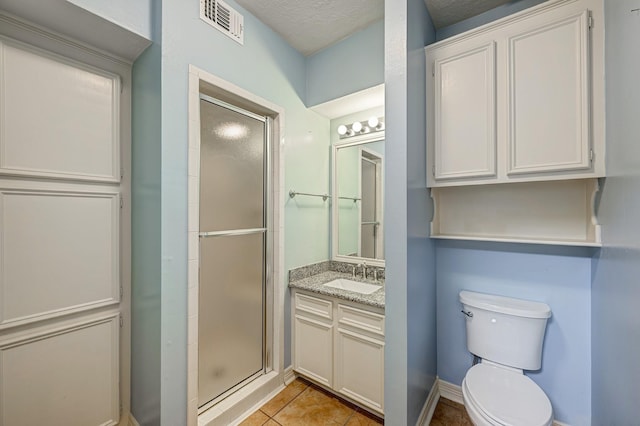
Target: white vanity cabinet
x,y
340,345
313,338
521,99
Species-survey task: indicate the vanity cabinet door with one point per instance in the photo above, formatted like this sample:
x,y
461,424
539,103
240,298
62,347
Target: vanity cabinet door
x,y
548,96
313,350
464,113
359,356
360,368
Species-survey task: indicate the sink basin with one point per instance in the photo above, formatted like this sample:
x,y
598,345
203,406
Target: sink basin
x,y
355,286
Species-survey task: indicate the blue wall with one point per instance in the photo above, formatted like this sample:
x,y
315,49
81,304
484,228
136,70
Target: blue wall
x,y
421,268
616,283
560,277
145,226
410,351
486,17
353,64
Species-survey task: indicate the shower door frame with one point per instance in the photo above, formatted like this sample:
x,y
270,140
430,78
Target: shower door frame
x,y
267,231
232,404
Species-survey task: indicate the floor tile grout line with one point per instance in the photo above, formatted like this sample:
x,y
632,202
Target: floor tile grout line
x,y
283,407
349,418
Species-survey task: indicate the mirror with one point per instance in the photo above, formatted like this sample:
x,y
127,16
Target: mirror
x,y
358,201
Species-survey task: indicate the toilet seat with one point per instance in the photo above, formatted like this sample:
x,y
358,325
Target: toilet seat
x,y
503,397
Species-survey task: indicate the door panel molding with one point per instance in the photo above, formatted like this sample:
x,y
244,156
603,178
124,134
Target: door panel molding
x,y
86,260
76,133
81,364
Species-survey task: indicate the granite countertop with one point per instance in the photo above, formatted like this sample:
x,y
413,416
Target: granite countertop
x,y
314,283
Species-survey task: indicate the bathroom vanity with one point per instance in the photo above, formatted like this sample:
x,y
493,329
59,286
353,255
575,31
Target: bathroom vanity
x,y
338,336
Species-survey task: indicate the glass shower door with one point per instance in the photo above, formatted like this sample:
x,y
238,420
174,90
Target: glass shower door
x,y
231,315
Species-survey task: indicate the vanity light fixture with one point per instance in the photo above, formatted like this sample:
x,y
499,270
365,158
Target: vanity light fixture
x,y
375,123
372,125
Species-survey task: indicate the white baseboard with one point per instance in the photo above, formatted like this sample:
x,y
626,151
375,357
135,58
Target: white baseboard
x,y
450,391
454,393
133,421
242,403
289,375
429,405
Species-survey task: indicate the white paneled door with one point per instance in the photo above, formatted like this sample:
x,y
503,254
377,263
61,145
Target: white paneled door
x,y
64,234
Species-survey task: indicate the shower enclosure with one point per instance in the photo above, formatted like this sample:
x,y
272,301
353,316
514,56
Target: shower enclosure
x,y
233,276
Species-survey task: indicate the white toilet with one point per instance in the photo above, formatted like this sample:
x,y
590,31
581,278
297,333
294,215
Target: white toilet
x,y
507,334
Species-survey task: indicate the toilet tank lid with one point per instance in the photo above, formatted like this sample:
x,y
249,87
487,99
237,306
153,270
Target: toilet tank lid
x,y
505,305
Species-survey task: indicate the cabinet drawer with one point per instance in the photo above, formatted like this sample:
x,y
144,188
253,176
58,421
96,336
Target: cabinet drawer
x,y
362,320
314,305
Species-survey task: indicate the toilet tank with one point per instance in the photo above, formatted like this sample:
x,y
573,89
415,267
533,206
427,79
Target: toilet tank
x,y
505,330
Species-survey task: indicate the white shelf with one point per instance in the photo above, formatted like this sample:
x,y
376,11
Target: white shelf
x,y
489,238
553,213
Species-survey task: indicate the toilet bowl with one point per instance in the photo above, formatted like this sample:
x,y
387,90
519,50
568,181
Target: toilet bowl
x,y
499,396
507,334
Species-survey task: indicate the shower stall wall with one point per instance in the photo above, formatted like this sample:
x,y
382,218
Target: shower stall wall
x,y
233,275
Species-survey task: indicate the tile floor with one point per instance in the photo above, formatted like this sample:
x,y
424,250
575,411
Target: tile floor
x,y
449,413
302,403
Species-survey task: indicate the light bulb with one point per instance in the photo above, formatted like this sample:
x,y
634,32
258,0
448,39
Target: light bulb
x,y
356,126
373,122
342,130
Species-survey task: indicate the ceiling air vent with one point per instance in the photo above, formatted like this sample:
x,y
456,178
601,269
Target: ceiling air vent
x,y
224,18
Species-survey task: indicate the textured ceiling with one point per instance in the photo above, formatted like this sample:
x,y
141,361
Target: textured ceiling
x,y
312,25
447,12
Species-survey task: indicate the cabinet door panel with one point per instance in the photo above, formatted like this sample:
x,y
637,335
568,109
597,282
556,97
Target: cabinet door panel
x,y
465,136
549,98
314,350
360,368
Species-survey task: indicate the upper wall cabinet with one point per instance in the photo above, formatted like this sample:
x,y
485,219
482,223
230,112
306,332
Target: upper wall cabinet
x,y
520,99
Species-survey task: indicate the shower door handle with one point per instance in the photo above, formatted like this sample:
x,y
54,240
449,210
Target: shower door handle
x,y
232,232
